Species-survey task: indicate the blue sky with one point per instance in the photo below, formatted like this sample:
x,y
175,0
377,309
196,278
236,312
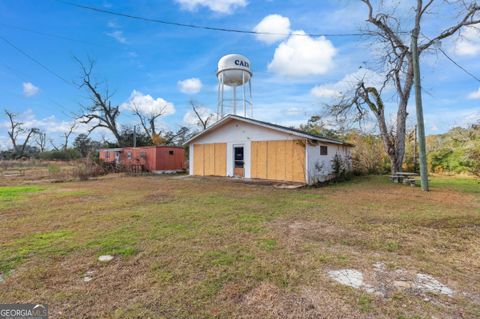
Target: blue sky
x,y
152,58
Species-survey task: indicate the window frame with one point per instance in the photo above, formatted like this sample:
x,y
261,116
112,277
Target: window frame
x,y
239,163
323,150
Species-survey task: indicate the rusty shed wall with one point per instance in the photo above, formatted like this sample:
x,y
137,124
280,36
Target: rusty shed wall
x,y
170,158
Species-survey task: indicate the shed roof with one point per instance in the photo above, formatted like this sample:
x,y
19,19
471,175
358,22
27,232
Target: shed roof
x,y
276,127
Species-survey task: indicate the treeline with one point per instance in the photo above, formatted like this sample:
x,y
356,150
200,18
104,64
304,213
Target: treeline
x,y
33,143
455,152
81,147
84,146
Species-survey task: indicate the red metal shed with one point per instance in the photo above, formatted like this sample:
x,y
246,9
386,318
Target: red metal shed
x,y
151,158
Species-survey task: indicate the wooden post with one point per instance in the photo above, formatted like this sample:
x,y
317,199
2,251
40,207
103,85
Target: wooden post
x,y
415,150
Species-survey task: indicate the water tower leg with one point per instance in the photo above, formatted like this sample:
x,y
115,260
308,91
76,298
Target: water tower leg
x,y
251,100
218,100
221,103
244,101
235,100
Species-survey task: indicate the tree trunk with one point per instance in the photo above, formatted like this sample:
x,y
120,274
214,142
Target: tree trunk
x,y
400,136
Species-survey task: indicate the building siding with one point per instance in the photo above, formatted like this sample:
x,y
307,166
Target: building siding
x,y
156,158
320,167
268,154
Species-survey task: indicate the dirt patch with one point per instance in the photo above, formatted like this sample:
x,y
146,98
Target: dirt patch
x,y
329,234
159,197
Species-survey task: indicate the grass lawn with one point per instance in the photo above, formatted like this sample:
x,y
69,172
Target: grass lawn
x,y
213,248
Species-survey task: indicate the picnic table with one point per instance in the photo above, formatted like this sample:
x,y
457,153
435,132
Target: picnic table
x,y
404,177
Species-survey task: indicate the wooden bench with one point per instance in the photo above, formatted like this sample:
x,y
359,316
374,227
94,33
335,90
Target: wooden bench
x,y
404,178
410,181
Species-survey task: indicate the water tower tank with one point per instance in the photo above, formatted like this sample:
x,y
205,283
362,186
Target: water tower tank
x,y
235,69
234,72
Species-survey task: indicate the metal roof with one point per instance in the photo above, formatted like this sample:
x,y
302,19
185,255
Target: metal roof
x,y
271,126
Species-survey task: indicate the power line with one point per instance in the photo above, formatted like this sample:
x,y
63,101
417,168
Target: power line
x,y
459,66
196,26
35,60
453,61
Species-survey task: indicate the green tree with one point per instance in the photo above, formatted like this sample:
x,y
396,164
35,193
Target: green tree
x,y
316,126
85,145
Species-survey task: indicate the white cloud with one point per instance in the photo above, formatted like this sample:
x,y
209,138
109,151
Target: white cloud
x,y
446,118
117,35
4,143
326,91
146,104
29,89
113,25
276,24
53,127
191,119
190,86
468,44
474,95
348,83
219,6
473,117
302,56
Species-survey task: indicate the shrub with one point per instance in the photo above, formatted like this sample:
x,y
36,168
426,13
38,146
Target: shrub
x,y
53,169
88,168
340,169
473,159
368,156
67,155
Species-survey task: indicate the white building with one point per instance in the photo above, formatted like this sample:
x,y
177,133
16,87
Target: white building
x,y
244,147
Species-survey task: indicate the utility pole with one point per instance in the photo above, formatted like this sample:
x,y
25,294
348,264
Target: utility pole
x,y
134,136
422,150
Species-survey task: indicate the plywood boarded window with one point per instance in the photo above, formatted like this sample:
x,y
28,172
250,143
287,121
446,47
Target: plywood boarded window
x,y
210,159
278,160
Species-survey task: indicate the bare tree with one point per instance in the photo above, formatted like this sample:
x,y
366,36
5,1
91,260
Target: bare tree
x,y
178,137
100,111
66,138
41,140
148,119
16,131
398,62
202,120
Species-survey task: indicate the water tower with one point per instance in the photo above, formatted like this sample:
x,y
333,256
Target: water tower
x,y
234,72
